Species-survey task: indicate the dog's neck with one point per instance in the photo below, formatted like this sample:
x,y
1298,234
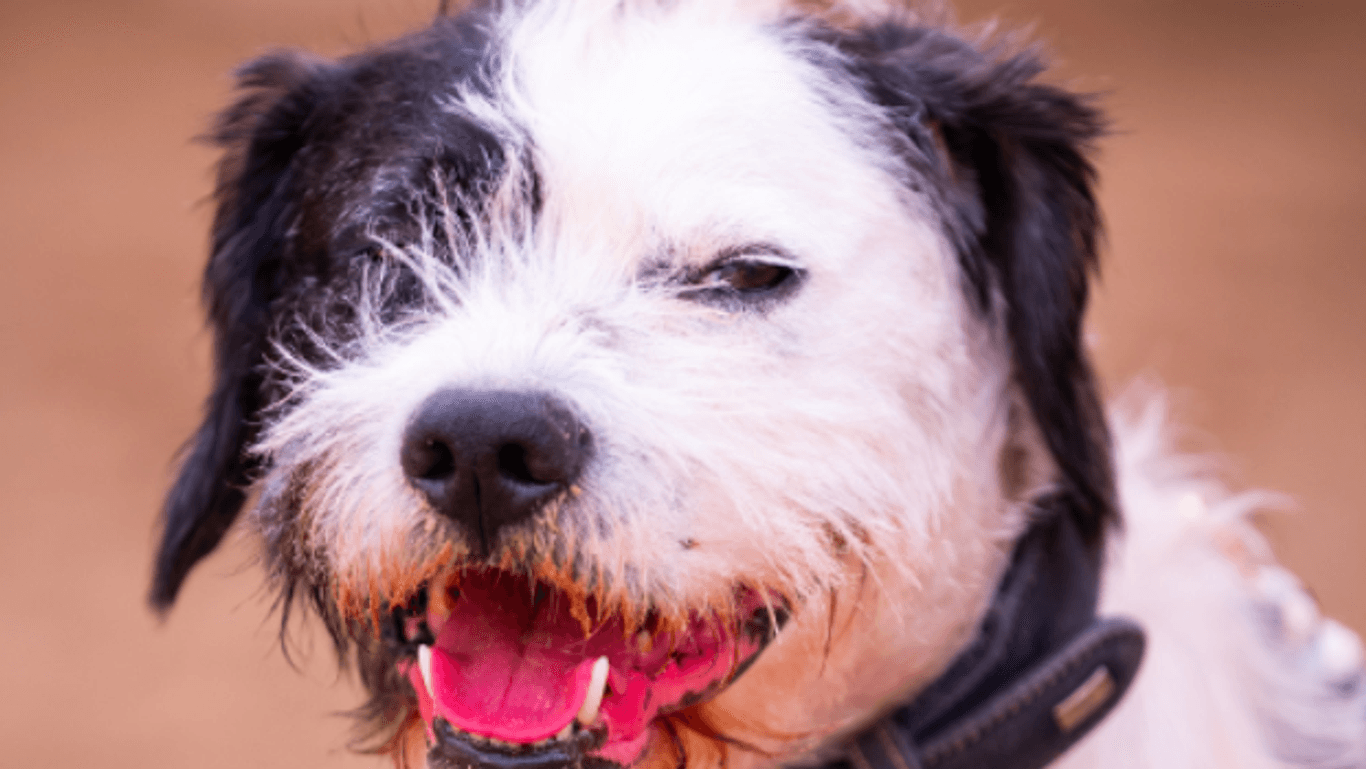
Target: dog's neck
x,y
1042,671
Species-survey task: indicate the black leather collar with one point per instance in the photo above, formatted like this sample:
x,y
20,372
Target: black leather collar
x,y
1041,673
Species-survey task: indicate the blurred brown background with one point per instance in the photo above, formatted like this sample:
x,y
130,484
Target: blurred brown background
x,y
1234,190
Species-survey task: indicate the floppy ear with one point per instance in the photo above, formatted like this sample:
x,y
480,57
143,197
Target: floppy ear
x,y
1010,158
260,135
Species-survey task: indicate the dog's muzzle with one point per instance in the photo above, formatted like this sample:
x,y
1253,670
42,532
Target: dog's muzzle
x,y
513,671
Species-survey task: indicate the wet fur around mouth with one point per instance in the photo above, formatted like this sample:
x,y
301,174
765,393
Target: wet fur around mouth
x,y
418,626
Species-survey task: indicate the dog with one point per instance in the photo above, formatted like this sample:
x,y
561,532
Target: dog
x,y
655,383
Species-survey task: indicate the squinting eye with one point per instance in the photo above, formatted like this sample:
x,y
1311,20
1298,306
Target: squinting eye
x,y
745,280
748,277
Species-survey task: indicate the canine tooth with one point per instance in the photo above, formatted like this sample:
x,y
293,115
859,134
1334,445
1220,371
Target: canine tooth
x,y
645,642
565,733
597,687
424,662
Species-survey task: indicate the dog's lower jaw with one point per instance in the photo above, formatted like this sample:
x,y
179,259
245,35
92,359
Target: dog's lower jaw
x,y
840,661
843,660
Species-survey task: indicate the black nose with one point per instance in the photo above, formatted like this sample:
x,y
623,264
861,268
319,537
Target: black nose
x,y
491,458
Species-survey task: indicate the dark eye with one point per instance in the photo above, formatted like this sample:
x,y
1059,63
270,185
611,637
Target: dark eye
x,y
744,281
749,277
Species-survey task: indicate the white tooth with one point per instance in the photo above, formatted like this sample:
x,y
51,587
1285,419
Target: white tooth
x,y
566,731
424,662
597,687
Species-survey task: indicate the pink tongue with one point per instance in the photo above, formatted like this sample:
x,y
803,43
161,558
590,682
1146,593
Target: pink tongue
x,y
515,666
506,666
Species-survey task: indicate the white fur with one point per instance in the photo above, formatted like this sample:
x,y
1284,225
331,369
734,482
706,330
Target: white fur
x,y
680,396
878,403
1240,669
870,410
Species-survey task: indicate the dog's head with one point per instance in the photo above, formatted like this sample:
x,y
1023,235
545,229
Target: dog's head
x,y
575,358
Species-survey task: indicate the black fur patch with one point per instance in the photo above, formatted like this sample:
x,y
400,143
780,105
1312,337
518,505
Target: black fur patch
x,y
317,157
1008,157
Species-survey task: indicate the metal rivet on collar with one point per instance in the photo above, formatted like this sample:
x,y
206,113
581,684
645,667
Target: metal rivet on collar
x,y
1094,692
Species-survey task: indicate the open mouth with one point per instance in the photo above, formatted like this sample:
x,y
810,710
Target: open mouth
x,y
513,673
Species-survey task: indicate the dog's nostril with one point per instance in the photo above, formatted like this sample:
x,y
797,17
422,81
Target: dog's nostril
x,y
430,460
512,464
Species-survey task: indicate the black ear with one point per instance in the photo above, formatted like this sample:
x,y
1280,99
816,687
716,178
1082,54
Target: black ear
x,y
1008,156
260,135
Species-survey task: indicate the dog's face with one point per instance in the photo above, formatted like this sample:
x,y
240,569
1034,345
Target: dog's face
x,y
631,383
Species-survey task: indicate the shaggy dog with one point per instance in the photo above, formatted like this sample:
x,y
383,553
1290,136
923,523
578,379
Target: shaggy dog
x,y
694,383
